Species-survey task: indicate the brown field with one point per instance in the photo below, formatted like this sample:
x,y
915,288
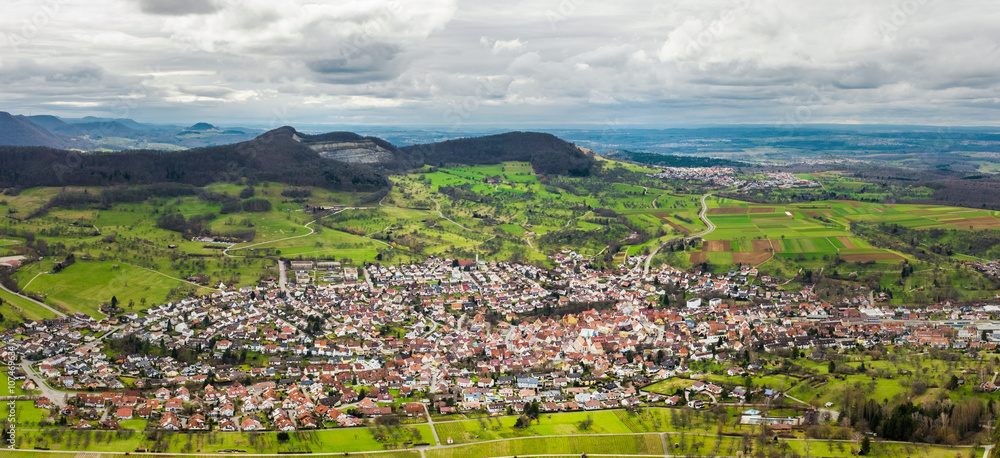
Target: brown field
x,y
848,244
717,245
979,222
677,227
775,244
865,257
698,257
763,246
727,211
762,210
751,257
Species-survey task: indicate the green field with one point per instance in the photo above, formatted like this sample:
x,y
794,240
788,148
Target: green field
x,y
321,441
648,444
86,284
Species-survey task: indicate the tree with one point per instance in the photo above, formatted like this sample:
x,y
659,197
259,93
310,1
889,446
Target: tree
x,y
283,436
831,367
866,446
114,302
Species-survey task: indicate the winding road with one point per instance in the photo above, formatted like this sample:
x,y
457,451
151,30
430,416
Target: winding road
x,y
702,215
58,313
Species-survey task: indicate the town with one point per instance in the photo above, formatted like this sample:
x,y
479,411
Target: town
x,y
450,336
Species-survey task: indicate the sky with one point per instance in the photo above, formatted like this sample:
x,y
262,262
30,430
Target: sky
x,y
454,64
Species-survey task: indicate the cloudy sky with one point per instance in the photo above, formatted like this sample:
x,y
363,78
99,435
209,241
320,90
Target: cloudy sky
x,y
458,63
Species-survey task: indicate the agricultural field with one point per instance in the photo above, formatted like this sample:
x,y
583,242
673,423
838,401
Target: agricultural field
x,y
502,212
528,216
783,238
123,251
350,440
648,444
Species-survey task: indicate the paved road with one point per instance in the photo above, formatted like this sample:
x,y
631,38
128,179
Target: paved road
x,y
282,276
58,313
703,215
57,397
430,421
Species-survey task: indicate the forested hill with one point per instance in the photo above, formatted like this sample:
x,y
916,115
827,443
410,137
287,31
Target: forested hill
x,y
547,153
21,131
286,156
273,156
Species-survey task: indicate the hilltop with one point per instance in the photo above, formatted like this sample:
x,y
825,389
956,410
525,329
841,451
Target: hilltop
x,y
547,153
22,131
336,161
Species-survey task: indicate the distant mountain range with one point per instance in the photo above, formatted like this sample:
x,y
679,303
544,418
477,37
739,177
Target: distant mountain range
x,y
91,133
336,160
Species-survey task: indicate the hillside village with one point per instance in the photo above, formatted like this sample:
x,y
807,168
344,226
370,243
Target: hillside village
x,y
448,336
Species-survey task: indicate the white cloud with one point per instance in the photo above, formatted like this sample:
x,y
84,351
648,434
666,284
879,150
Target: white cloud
x,y
501,46
399,62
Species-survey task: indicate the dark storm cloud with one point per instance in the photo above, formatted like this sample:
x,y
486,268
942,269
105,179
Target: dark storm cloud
x,y
360,62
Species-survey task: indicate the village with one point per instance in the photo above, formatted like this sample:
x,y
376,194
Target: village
x,y
450,336
727,177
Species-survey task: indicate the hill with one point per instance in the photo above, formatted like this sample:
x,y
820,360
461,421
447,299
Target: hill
x,y
202,126
547,153
22,131
274,156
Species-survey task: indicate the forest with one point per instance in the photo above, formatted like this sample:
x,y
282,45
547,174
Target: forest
x,y
547,153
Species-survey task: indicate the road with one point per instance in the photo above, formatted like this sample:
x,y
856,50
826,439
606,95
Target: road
x,y
58,313
430,421
702,215
282,276
368,277
433,328
57,397
311,232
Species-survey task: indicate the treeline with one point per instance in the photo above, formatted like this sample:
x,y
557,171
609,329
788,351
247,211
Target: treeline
x,y
297,193
666,160
946,242
546,153
465,192
937,421
198,226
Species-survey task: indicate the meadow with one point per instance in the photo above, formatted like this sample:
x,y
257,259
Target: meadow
x,y
494,212
349,440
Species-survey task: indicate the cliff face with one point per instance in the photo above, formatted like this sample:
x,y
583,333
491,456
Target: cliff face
x,y
361,151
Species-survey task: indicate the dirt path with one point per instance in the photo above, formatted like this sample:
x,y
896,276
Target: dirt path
x,y
311,232
438,209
